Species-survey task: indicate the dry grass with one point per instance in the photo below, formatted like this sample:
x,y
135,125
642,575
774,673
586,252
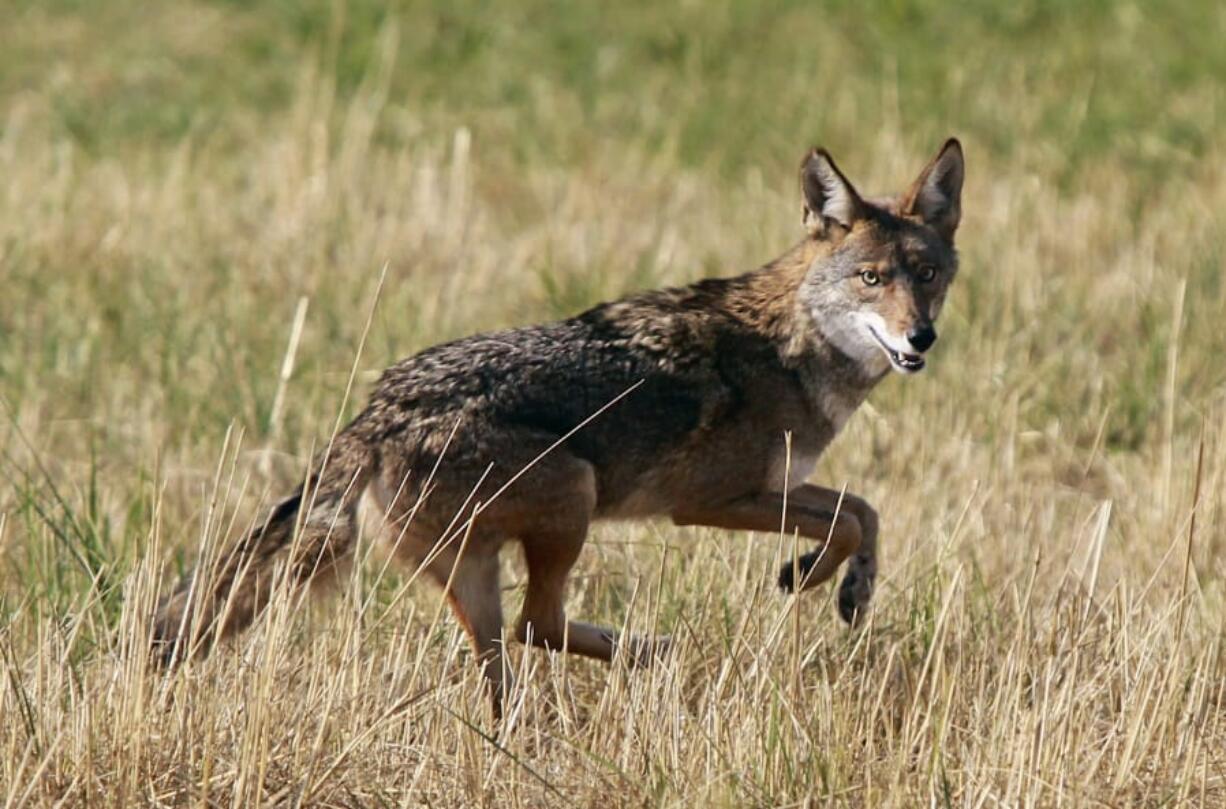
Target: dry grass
x,y
1050,625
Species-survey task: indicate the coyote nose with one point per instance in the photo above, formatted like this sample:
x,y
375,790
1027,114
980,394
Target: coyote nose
x,y
922,338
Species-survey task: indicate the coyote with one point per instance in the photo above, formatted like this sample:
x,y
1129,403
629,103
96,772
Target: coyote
x,y
674,403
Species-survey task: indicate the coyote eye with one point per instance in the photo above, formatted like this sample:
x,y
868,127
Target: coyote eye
x,y
926,274
870,278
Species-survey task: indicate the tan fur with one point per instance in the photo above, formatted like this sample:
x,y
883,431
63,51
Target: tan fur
x,y
673,403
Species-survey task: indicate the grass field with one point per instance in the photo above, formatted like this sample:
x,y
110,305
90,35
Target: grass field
x,y
198,200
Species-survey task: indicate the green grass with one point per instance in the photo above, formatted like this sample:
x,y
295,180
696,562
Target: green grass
x,y
729,85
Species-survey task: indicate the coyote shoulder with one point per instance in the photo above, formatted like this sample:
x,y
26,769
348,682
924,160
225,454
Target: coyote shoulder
x,y
673,403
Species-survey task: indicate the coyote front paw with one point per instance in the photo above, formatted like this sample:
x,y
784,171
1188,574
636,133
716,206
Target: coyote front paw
x,y
791,573
854,594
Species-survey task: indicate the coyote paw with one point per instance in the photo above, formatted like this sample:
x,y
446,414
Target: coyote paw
x,y
854,594
643,652
788,573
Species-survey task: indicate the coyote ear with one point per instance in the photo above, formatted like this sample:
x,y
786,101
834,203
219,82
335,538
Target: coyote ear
x,y
936,195
829,197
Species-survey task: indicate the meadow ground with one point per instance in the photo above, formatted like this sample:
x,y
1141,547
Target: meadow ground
x,y
194,194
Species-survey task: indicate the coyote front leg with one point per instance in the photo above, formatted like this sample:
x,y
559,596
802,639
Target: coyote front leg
x,y
856,590
845,525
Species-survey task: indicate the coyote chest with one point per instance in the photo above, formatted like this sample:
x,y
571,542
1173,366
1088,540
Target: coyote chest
x,y
787,470
790,466
838,406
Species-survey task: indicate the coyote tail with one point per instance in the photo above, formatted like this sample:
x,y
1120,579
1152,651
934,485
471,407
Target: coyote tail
x,y
312,531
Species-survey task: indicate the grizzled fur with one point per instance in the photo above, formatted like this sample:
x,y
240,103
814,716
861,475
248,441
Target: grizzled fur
x,y
673,402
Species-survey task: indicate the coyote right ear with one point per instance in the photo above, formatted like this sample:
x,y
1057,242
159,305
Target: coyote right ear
x,y
829,197
936,196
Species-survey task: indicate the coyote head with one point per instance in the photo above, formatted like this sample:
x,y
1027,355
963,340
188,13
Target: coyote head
x,y
875,292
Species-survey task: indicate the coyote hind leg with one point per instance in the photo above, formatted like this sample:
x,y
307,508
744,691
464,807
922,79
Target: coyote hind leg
x,y
464,565
476,602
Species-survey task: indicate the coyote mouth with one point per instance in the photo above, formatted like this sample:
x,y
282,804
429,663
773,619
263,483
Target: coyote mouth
x,y
901,360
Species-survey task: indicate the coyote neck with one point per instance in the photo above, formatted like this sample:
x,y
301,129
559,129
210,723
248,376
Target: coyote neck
x,y
767,301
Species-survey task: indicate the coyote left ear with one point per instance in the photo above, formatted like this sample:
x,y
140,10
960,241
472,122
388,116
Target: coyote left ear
x,y
829,197
936,196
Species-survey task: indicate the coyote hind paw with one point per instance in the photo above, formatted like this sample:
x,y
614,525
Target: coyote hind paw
x,y
644,652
